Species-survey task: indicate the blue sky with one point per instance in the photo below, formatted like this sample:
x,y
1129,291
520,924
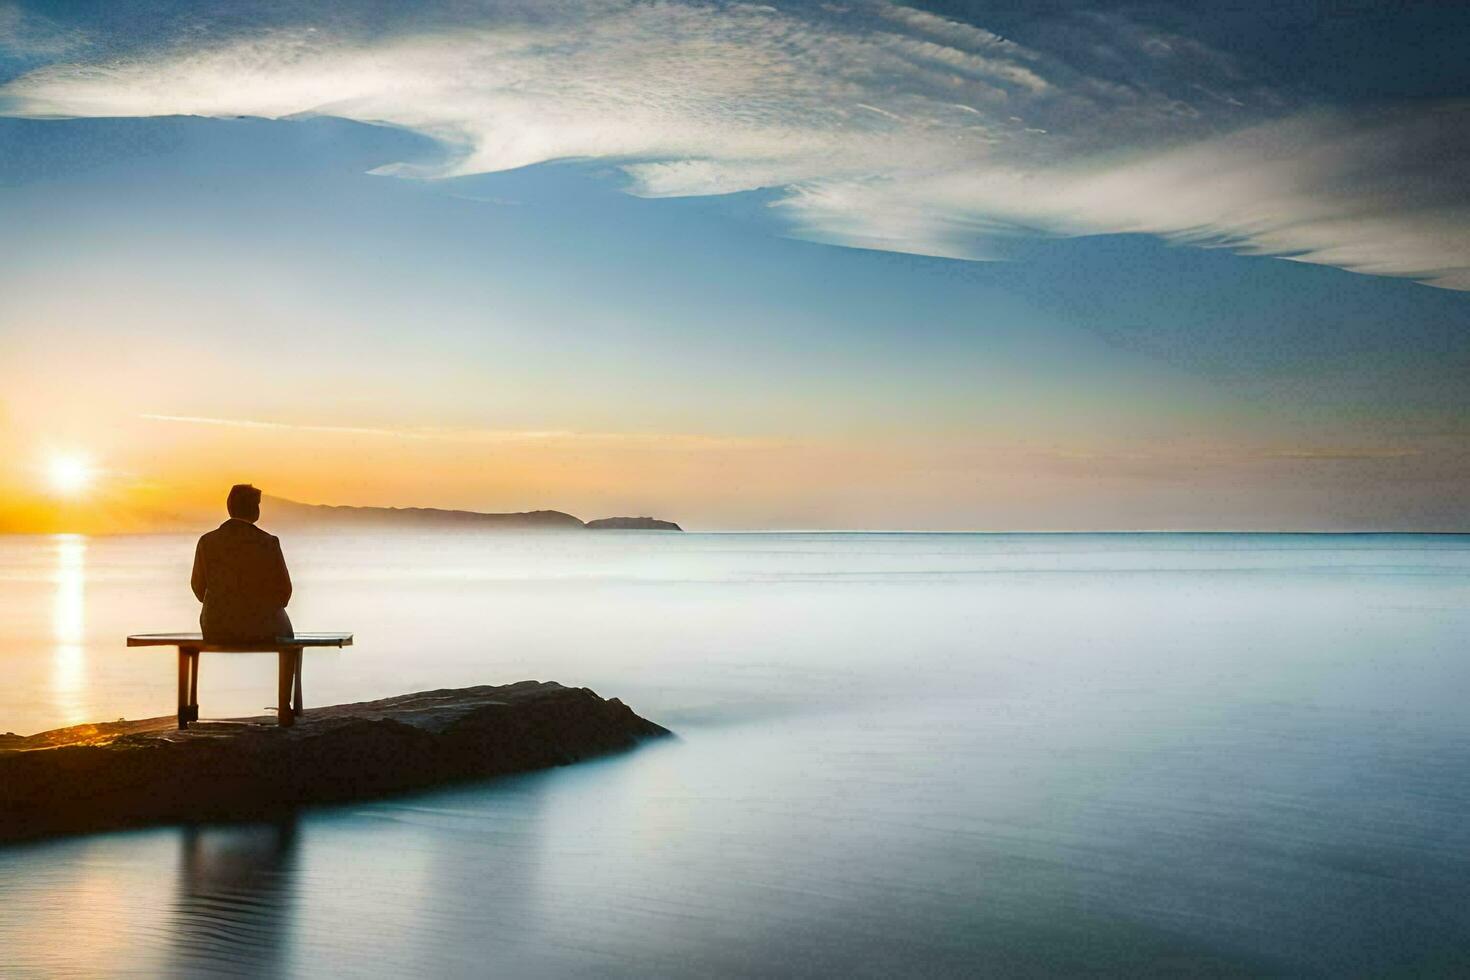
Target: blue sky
x,y
946,266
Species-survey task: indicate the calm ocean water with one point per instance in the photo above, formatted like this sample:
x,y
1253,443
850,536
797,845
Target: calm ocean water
x,y
899,754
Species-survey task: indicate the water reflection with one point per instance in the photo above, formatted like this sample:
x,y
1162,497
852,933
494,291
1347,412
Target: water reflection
x,y
69,675
232,911
1244,756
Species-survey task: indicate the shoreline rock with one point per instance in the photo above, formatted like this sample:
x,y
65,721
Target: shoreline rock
x,y
111,776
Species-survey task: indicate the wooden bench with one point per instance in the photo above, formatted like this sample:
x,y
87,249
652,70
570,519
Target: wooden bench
x,y
288,650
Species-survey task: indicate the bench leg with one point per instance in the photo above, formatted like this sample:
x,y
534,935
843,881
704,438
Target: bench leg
x,y
193,685
183,689
296,702
285,674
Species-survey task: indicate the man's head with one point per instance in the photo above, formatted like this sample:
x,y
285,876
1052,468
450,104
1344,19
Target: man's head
x,y
243,502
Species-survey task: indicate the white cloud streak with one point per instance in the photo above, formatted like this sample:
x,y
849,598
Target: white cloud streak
x,y
28,35
882,126
680,442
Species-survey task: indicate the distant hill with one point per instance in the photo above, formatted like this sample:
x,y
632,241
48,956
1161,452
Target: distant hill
x,y
632,524
283,513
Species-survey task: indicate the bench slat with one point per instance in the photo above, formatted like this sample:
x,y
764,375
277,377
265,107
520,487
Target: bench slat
x,y
195,641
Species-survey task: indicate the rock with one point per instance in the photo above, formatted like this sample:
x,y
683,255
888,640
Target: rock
x,y
127,774
632,524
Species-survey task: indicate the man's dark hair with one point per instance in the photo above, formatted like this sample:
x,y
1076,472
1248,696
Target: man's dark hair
x,y
243,502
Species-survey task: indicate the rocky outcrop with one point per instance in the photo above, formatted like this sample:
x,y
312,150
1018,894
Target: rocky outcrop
x,y
127,774
632,524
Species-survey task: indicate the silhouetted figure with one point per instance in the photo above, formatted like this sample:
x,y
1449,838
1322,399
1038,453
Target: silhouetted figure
x,y
240,576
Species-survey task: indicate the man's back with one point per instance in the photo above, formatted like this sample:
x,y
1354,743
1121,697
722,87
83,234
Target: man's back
x,y
240,576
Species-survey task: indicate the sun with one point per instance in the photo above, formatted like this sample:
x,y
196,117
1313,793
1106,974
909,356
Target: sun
x,y
69,474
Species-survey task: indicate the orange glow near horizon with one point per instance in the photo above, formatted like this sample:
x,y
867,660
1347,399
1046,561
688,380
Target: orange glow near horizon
x,y
171,473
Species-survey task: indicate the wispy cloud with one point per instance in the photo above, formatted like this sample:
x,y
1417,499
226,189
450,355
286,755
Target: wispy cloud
x,y
681,442
357,430
884,126
1345,455
1372,194
27,35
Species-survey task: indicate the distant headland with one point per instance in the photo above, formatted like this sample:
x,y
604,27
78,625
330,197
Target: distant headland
x,y
283,513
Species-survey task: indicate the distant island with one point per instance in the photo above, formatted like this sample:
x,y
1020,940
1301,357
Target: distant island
x,y
632,524
284,513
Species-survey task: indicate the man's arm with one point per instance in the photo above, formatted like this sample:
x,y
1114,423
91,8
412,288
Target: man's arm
x,y
283,577
198,581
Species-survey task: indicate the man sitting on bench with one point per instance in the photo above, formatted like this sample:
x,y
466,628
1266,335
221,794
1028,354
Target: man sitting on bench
x,y
240,576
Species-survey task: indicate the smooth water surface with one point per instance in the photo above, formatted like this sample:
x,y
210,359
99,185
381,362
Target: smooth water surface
x,y
898,754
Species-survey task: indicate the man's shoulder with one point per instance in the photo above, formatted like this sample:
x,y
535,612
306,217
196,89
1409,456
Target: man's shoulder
x,y
236,531
257,533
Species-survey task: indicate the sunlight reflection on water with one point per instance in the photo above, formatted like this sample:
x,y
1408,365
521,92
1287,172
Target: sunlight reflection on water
x,y
69,673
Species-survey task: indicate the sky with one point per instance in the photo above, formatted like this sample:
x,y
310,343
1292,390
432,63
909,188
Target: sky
x,y
949,266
